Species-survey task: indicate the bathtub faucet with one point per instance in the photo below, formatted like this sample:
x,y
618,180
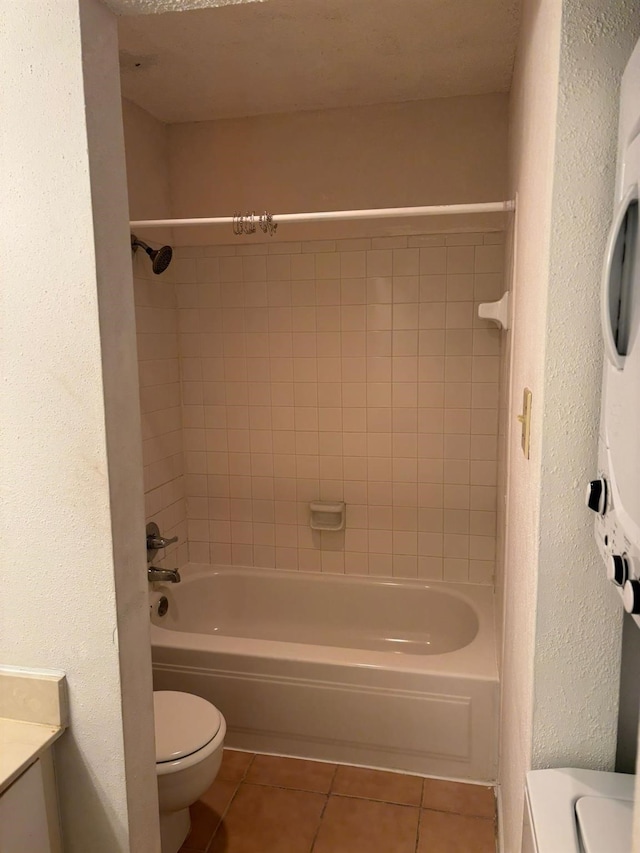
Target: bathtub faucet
x,y
156,542
163,575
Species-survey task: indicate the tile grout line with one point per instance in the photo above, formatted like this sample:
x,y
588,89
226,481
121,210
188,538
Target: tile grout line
x,y
420,810
331,792
285,788
459,814
418,827
355,797
420,805
222,817
373,800
239,784
324,808
333,779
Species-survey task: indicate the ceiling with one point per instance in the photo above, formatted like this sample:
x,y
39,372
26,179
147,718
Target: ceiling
x,y
252,58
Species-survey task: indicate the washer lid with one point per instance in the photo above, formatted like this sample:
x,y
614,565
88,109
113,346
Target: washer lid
x,y
553,795
184,724
605,824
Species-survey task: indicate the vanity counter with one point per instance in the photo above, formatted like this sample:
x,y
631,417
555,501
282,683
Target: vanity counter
x,y
20,745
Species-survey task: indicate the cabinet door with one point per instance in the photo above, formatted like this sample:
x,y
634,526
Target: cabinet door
x,y
28,818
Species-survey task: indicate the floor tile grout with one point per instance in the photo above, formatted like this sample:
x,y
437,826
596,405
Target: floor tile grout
x,y
238,784
458,814
375,800
324,808
285,787
417,845
331,793
248,767
244,780
333,779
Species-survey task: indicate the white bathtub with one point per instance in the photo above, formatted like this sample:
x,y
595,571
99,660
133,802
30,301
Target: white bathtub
x,y
383,673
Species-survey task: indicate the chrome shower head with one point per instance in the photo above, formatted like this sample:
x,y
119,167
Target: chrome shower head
x,y
160,258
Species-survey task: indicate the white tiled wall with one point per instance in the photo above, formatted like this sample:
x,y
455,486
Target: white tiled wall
x,y
160,404
351,370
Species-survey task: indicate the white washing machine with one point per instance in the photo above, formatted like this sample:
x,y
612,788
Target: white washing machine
x,y
578,811
614,495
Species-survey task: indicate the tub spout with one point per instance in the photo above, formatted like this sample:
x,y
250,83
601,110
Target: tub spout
x,y
163,575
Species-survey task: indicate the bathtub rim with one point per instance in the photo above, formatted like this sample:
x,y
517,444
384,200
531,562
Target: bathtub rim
x,y
476,661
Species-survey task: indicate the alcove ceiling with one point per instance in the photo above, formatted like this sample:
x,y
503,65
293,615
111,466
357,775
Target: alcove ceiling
x,y
249,58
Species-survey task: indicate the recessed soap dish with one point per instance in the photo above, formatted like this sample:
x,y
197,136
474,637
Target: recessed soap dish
x,y
327,515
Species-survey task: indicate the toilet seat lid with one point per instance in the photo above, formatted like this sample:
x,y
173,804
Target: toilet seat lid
x,y
184,723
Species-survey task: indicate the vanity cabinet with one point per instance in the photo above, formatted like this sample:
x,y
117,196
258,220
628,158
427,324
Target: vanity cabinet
x,y
29,811
33,715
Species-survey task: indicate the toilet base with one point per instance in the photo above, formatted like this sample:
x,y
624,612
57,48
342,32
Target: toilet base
x,y
174,828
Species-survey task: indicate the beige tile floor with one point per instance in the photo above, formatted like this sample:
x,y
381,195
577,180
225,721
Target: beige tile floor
x,y
265,804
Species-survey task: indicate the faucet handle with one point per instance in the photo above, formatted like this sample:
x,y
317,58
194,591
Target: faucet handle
x,y
154,540
154,543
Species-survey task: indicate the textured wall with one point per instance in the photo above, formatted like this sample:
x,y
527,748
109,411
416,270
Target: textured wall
x,y
562,619
72,568
532,135
579,617
441,151
352,370
285,56
146,142
122,423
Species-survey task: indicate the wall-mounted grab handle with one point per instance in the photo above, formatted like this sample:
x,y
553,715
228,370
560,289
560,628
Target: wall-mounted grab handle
x,y
497,312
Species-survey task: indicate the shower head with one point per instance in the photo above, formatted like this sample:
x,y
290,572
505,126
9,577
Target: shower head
x,y
160,258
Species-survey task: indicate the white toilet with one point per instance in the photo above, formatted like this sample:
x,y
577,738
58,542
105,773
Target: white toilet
x,y
189,741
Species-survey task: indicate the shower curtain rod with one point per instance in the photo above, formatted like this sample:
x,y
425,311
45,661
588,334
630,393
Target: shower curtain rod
x,y
334,215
